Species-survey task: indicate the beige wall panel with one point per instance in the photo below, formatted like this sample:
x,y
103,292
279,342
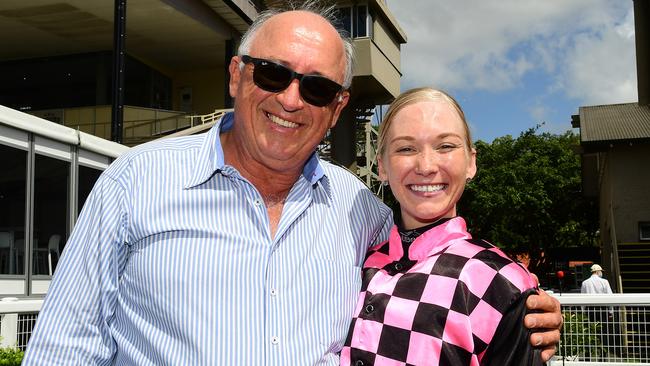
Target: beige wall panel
x,y
371,61
207,89
385,72
631,189
363,64
386,44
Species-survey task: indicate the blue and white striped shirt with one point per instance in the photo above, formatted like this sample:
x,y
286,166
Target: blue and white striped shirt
x,y
172,263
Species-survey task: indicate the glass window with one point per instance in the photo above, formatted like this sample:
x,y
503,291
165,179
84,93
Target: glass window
x,y
644,230
361,24
344,20
51,180
13,166
87,178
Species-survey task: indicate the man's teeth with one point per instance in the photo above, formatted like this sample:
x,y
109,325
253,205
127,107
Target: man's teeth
x,y
428,188
282,122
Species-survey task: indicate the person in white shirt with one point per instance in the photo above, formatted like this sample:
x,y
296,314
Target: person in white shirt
x,y
596,284
601,316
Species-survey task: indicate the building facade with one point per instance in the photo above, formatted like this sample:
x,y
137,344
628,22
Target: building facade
x,y
58,63
615,150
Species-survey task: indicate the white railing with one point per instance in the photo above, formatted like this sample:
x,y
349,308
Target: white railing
x,y
604,330
17,319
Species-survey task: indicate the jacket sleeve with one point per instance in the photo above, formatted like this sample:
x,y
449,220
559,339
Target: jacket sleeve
x,y
73,325
510,345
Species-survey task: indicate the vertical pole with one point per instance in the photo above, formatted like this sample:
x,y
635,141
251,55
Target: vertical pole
x,y
642,39
8,328
229,52
344,137
119,35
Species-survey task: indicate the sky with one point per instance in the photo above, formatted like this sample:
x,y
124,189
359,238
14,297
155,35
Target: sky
x,y
514,64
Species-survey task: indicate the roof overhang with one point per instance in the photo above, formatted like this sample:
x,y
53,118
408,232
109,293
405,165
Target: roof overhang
x,y
174,35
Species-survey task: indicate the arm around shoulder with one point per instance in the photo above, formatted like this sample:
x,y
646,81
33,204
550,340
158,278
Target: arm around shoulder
x,y
510,345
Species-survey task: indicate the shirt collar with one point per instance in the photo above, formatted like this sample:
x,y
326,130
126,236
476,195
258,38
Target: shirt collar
x,y
432,241
211,159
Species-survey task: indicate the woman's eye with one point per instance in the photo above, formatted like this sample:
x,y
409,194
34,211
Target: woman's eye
x,y
404,149
447,147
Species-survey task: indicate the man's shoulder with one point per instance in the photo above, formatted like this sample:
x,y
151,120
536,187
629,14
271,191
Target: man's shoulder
x,y
349,190
342,175
157,152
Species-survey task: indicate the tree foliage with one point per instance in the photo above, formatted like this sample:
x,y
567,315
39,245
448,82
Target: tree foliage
x,y
527,197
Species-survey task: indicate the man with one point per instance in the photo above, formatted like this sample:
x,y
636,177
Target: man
x,y
236,247
603,318
596,284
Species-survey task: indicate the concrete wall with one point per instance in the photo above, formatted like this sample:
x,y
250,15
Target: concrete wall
x,y
386,43
629,173
207,88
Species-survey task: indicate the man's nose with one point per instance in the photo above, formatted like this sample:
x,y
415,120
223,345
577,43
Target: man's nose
x,y
290,97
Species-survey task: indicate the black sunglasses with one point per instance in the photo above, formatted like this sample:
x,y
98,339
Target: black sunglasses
x,y
273,77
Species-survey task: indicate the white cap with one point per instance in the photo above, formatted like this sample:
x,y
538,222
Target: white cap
x,y
596,267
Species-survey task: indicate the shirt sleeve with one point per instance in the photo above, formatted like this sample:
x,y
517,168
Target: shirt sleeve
x,y
510,345
73,325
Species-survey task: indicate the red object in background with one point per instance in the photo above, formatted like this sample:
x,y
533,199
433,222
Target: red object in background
x,y
560,274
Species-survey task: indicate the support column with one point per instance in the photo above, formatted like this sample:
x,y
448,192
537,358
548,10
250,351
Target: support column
x,y
344,138
119,35
229,53
642,38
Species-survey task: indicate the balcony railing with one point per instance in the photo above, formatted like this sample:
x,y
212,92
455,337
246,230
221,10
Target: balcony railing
x,y
603,330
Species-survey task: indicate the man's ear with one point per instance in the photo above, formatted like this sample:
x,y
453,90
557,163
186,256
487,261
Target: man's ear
x,y
341,101
235,75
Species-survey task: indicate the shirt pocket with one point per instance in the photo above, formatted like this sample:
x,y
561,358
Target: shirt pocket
x,y
337,285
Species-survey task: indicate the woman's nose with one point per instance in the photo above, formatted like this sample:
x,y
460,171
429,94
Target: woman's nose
x,y
427,163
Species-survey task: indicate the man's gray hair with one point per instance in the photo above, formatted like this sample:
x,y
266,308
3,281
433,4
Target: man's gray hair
x,y
328,12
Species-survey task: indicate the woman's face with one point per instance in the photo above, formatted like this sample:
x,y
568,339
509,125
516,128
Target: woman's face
x,y
426,161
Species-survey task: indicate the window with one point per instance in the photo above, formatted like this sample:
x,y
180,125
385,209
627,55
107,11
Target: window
x,y
344,20
361,21
355,20
644,230
51,180
13,183
87,179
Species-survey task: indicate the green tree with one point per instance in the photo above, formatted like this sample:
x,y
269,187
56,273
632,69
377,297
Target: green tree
x,y
527,196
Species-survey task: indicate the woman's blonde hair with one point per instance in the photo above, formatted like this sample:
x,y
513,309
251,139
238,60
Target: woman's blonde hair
x,y
413,96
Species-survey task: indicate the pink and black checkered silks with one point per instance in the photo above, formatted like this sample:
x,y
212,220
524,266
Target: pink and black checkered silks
x,y
453,300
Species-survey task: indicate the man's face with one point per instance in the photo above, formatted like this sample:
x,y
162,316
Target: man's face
x,y
280,129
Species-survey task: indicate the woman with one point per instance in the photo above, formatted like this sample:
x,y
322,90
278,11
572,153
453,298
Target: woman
x,y
431,294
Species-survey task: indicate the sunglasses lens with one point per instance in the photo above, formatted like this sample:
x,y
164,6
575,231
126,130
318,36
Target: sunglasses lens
x,y
271,76
318,90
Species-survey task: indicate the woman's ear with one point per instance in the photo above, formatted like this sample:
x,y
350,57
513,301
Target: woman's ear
x,y
380,168
471,167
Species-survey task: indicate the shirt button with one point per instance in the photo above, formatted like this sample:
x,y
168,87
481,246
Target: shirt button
x,y
398,266
359,363
273,292
275,340
369,308
257,202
